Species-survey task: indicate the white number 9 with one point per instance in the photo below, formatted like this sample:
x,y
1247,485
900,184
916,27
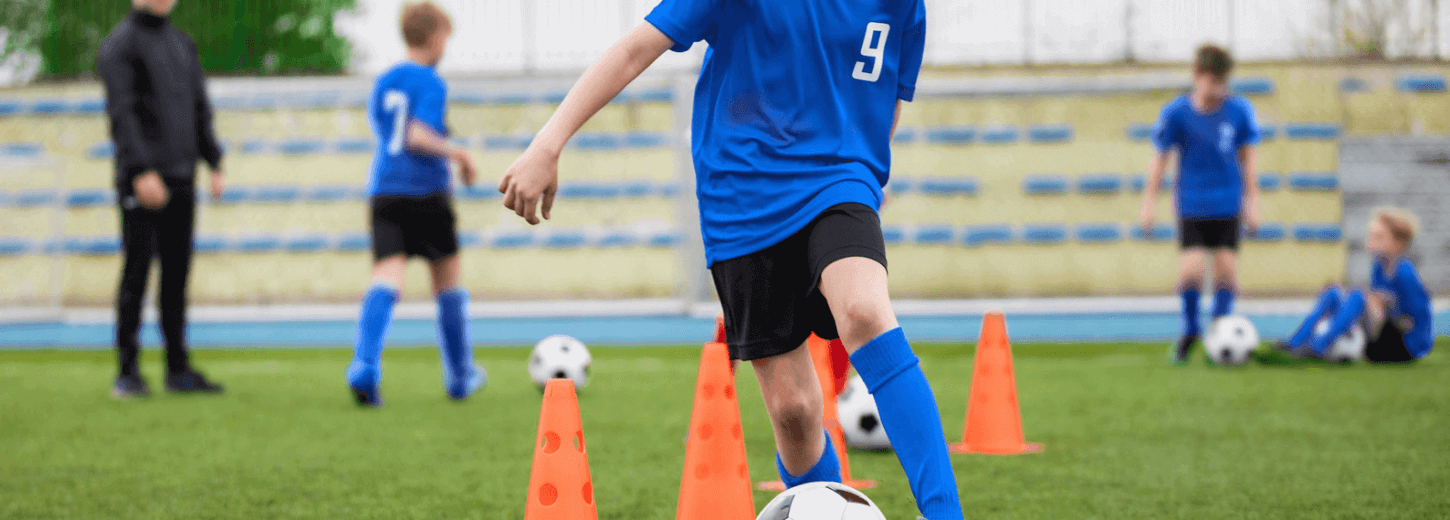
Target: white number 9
x,y
876,52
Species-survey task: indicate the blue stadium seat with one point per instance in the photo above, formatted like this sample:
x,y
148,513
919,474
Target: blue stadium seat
x,y
635,189
9,107
513,98
669,190
948,187
951,135
252,146
654,96
14,246
235,195
5,198
1353,85
1000,135
645,140
507,142
617,238
565,239
893,235
306,244
469,240
94,246
476,192
605,190
1160,233
1268,132
936,234
1140,132
1100,233
354,242
33,198
27,150
1044,234
276,194
899,185
49,107
1100,184
1421,83
1270,181
1140,181
101,151
208,245
257,244
1311,131
1318,233
596,141
1268,232
1050,134
664,239
332,193
88,197
353,145
905,136
512,240
987,234
1310,181
1044,185
301,146
1253,86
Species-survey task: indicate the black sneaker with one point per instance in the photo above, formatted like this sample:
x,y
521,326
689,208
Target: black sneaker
x,y
129,385
1181,350
191,382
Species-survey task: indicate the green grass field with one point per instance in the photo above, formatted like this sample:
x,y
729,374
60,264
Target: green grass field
x,y
1126,436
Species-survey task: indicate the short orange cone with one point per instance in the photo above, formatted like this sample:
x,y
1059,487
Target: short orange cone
x,y
559,485
821,354
716,485
994,420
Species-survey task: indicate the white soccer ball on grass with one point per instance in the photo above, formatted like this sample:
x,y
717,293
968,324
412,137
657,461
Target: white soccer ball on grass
x,y
821,501
1230,339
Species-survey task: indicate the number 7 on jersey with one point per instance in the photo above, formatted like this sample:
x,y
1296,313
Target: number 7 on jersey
x,y
875,52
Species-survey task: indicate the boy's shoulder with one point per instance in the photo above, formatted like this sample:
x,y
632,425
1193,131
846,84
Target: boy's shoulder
x,y
1240,104
410,74
1177,105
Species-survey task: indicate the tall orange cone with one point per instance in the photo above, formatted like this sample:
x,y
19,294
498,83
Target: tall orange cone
x,y
821,355
994,420
559,485
716,485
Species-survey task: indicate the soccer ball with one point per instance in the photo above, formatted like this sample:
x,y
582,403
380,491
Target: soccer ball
x,y
1347,348
821,501
560,356
1230,339
859,420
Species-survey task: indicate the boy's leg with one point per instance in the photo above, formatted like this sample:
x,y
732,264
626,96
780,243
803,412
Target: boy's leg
x,y
1190,278
365,371
1225,281
1349,313
460,377
793,399
856,290
1327,305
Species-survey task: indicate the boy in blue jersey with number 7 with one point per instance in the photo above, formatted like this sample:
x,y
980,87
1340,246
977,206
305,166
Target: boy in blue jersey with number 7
x,y
794,113
412,214
1217,193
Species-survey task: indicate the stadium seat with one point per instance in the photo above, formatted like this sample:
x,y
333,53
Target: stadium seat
x,y
93,246
101,151
1140,181
209,244
936,234
893,235
1159,233
1050,134
1000,135
987,234
1307,181
1253,86
565,239
353,145
952,135
512,240
899,185
469,240
946,187
1044,185
33,198
595,141
88,198
301,146
1311,131
1353,85
14,246
1140,132
1270,181
1100,184
664,239
22,150
354,242
1099,233
646,140
9,107
1267,132
1044,234
332,193
306,244
256,244
1421,83
49,107
506,142
275,194
1268,232
1318,233
905,136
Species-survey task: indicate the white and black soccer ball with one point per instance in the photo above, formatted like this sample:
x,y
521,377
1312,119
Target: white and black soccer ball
x,y
1230,339
860,421
560,356
821,501
1348,347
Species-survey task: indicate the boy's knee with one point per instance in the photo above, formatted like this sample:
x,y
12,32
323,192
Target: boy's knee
x,y
860,322
797,415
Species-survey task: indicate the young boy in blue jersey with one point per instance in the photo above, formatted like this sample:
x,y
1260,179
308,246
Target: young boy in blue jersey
x,y
794,113
1215,135
412,214
1395,310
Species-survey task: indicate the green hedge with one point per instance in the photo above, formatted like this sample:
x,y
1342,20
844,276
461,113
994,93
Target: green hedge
x,y
255,37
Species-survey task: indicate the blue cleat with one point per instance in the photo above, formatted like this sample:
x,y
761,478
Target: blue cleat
x,y
459,388
363,381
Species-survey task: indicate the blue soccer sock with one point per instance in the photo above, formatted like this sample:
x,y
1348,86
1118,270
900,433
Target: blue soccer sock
x,y
1349,313
459,376
1223,302
827,469
372,327
908,410
1191,326
1327,305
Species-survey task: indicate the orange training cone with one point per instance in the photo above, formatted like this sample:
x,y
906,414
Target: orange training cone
x,y
559,485
716,485
994,421
822,357
719,328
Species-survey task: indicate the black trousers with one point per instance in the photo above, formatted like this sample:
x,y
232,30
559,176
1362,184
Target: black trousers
x,y
145,235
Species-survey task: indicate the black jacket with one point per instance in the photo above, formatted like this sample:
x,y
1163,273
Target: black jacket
x,y
156,98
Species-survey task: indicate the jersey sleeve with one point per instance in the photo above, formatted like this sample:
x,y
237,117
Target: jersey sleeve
x,y
1250,134
685,21
913,46
430,104
1165,131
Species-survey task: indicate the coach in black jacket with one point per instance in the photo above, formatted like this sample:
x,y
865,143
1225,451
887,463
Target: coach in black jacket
x,y
161,123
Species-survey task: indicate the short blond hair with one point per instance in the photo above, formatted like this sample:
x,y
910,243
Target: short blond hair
x,y
1402,224
421,20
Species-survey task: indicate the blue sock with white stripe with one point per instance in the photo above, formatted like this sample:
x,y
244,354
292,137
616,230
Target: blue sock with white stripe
x,y
460,377
827,469
908,411
365,372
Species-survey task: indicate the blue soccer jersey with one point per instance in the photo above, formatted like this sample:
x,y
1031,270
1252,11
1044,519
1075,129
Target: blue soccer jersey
x,y
1409,304
1210,180
406,93
793,109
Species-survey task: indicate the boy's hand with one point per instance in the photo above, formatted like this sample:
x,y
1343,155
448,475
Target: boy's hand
x,y
1251,218
466,169
1145,217
531,179
218,184
150,191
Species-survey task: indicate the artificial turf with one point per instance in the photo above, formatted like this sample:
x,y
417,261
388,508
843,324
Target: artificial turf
x,y
1125,434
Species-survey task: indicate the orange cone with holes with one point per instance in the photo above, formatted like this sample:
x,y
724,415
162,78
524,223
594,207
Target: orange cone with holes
x,y
824,358
994,420
559,485
716,485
